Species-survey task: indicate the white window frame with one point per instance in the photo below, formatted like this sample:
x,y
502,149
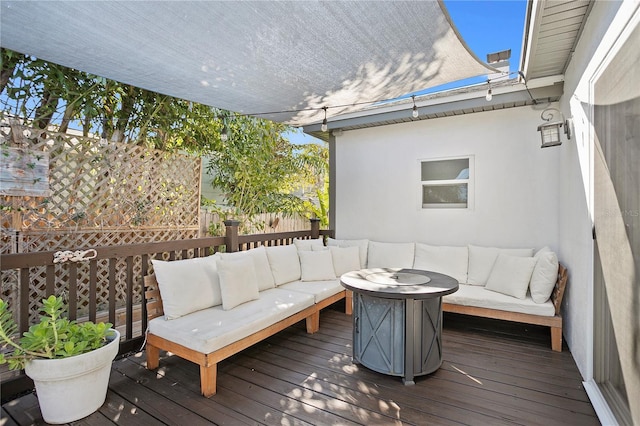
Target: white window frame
x,y
469,182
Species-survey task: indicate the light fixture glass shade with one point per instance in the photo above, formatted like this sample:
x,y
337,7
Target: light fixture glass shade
x,y
550,134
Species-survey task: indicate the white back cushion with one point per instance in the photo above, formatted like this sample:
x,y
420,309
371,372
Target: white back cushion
x,y
363,247
452,261
345,259
511,275
261,266
481,260
238,282
284,263
545,275
316,265
390,255
187,285
309,244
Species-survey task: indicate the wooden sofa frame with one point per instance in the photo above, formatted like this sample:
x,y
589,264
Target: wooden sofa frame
x,y
208,362
554,322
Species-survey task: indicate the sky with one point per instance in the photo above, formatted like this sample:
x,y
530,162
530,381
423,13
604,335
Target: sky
x,y
486,27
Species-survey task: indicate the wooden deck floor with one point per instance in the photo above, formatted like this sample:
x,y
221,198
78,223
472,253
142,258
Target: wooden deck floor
x,y
494,373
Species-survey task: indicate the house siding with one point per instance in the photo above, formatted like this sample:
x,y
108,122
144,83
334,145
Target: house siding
x,y
516,187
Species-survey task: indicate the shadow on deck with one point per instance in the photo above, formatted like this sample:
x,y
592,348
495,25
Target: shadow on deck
x,y
493,373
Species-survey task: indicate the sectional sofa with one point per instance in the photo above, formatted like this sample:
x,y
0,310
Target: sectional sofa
x,y
207,309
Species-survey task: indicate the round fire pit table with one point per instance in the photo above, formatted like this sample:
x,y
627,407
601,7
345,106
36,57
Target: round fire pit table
x,y
397,319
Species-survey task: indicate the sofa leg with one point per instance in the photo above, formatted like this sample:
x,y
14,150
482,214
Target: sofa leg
x,y
348,300
153,357
556,339
313,322
208,378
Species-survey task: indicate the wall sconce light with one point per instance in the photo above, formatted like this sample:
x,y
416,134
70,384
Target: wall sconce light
x,y
550,131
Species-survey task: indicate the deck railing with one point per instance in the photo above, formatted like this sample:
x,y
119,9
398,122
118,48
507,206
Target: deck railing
x,y
126,265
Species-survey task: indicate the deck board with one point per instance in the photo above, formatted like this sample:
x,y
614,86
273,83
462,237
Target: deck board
x,y
493,373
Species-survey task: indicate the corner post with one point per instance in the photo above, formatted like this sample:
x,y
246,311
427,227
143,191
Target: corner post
x,y
315,227
231,237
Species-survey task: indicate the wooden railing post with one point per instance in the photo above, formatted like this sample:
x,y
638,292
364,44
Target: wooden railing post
x,y
231,237
315,227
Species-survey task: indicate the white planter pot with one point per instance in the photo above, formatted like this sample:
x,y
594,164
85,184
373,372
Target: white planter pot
x,y
69,389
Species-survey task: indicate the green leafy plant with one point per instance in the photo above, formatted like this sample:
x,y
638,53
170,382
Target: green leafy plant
x,y
54,337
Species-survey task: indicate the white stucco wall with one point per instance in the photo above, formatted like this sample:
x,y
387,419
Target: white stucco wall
x,y
516,182
576,203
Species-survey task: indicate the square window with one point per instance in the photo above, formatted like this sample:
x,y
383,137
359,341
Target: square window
x,y
445,183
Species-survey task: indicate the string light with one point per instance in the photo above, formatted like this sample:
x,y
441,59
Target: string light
x,y
489,94
224,135
415,112
324,126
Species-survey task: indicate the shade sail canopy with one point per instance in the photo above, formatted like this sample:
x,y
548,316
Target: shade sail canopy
x,y
283,61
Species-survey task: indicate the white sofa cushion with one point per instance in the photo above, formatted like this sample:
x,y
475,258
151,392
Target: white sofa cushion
x,y
452,261
472,295
511,275
363,248
214,328
261,265
316,265
187,285
390,255
308,244
284,263
345,259
481,260
238,281
320,290
545,275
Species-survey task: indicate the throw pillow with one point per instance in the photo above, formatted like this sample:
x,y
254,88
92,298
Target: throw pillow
x,y
284,263
452,261
511,275
261,265
316,266
545,275
363,247
238,282
308,244
345,259
187,285
390,255
481,260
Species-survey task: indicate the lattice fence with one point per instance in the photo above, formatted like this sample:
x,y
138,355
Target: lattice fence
x,y
101,194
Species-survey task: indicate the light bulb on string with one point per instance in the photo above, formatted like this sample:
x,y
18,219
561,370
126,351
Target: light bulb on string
x,y
224,135
489,93
415,112
324,126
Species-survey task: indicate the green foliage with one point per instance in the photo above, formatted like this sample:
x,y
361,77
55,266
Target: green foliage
x,y
54,337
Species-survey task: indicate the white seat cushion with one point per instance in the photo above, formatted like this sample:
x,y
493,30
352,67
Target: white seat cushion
x,y
214,328
471,295
319,289
390,255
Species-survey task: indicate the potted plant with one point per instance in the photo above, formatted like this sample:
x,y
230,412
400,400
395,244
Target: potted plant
x,y
69,362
